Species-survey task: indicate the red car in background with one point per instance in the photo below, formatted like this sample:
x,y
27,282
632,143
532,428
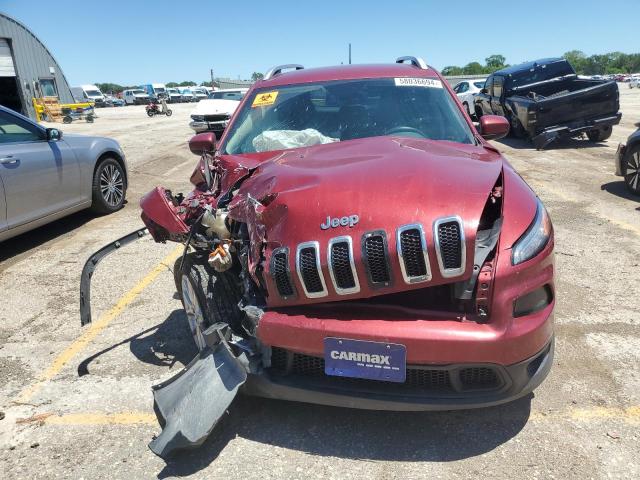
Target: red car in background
x,y
354,240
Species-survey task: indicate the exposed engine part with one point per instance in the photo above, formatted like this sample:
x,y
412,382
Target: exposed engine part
x,y
216,223
220,259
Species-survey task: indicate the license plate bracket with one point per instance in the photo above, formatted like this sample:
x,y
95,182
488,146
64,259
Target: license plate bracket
x,y
383,361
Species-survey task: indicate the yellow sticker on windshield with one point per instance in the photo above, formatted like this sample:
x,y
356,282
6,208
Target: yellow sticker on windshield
x,y
264,99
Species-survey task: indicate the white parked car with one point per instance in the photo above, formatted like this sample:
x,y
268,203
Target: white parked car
x,y
187,94
466,90
135,96
212,115
634,81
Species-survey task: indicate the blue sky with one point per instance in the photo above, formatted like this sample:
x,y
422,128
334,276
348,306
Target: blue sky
x,y
136,42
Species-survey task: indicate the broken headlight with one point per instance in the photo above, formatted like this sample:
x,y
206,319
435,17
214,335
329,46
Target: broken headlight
x,y
534,239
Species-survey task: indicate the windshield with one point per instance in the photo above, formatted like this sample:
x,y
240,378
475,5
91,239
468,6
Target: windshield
x,y
159,89
479,84
137,92
93,93
309,114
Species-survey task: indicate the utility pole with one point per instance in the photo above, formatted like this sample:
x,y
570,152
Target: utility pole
x,y
349,54
211,71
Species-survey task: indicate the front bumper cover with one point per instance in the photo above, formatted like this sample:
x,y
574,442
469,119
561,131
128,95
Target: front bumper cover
x,y
520,380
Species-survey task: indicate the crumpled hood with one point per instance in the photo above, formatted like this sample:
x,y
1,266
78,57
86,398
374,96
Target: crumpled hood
x,y
386,181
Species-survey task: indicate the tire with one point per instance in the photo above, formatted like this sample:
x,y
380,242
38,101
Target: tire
x,y
89,118
169,112
466,107
109,187
150,113
208,297
478,111
631,169
67,119
600,135
517,130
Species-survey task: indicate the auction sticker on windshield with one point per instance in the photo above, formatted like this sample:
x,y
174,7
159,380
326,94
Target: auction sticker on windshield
x,y
418,82
264,99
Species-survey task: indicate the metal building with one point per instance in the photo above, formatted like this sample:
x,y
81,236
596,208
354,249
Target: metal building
x,y
27,69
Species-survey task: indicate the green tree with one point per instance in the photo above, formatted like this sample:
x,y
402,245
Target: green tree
x,y
473,68
452,71
110,87
495,62
172,85
577,59
255,76
187,84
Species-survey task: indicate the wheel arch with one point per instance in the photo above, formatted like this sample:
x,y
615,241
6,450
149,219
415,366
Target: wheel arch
x,y
118,158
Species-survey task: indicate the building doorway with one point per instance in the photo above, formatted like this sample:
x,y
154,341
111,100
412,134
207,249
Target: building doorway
x,y
9,87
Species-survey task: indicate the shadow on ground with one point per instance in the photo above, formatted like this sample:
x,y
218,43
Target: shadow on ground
x,y
619,189
35,238
358,434
162,345
562,144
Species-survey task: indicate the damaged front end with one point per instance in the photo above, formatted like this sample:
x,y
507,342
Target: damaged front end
x,y
314,237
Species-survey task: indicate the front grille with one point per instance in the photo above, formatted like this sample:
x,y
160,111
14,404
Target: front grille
x,y
340,263
216,118
375,258
412,251
418,379
309,270
280,273
449,238
479,378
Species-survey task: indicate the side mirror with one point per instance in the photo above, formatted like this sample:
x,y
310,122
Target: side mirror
x,y
493,127
484,91
53,134
203,143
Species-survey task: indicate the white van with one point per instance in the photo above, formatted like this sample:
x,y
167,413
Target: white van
x,y
90,93
135,96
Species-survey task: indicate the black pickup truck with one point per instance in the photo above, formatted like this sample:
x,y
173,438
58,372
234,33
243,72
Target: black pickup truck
x,y
545,100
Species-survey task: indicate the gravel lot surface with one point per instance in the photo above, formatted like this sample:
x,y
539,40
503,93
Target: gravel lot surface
x,y
76,402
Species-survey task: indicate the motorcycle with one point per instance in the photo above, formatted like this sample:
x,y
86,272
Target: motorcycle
x,y
158,107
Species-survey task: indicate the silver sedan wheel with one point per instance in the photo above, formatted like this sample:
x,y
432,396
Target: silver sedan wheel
x,y
112,185
192,308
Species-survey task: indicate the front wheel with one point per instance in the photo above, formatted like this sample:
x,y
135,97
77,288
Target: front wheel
x,y
150,112
207,296
600,135
109,186
631,170
169,112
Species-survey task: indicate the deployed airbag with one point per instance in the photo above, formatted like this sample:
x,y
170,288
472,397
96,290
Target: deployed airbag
x,y
283,139
189,405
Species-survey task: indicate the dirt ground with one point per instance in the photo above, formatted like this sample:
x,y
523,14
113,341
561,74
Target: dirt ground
x,y
76,402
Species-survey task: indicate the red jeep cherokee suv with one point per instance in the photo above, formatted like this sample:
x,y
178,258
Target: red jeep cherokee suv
x,y
355,241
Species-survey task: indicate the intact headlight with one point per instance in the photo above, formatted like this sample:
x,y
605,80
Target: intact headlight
x,y
533,241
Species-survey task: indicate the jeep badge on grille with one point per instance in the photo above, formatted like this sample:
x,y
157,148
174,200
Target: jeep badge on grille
x,y
347,221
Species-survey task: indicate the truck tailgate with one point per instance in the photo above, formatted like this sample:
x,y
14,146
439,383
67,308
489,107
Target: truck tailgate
x,y
597,101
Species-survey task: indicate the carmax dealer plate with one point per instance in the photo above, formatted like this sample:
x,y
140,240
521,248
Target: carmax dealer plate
x,y
363,359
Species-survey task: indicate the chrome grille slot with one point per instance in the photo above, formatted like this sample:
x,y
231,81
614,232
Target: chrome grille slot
x,y
448,234
281,274
341,265
376,259
309,271
412,253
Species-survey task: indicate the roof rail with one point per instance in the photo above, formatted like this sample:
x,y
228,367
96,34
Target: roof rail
x,y
415,61
278,70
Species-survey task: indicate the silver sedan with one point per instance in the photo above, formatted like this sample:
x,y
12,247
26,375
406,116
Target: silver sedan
x,y
44,176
